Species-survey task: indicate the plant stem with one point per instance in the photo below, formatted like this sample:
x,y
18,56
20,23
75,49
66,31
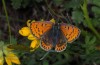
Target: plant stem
x,y
88,20
4,6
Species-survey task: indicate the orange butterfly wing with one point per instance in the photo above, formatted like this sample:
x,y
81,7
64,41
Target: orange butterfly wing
x,y
46,46
71,32
39,28
60,47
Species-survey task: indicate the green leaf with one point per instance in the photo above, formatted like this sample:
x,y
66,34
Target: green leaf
x,y
1,44
16,3
13,40
96,22
96,2
25,3
77,16
90,44
68,57
87,38
93,40
45,63
58,2
73,4
96,10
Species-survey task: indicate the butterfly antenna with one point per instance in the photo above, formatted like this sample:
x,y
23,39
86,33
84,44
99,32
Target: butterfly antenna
x,y
47,54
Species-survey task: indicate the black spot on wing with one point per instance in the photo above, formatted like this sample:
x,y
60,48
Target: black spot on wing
x,y
36,26
71,32
42,31
41,24
68,27
38,30
45,24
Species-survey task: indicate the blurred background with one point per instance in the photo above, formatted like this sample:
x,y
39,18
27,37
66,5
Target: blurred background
x,y
85,14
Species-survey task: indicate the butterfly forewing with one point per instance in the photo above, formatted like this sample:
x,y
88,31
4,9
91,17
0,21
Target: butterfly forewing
x,y
71,32
46,41
39,28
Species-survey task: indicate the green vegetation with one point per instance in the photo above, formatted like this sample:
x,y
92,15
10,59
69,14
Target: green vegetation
x,y
85,14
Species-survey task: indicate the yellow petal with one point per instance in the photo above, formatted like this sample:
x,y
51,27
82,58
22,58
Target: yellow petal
x,y
10,56
1,53
28,23
6,50
1,58
52,20
25,31
8,61
33,20
13,58
31,37
42,20
35,44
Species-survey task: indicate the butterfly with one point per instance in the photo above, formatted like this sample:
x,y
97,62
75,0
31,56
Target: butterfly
x,y
54,36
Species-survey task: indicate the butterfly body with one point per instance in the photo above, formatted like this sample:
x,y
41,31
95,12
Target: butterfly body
x,y
54,35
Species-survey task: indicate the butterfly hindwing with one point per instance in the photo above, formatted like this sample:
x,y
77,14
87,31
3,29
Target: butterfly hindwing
x,y
46,42
60,47
61,42
71,32
46,46
39,28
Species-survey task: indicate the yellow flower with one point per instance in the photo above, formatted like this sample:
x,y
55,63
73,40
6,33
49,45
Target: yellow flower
x,y
10,56
8,61
35,44
42,20
1,58
52,20
7,53
28,23
25,31
33,20
31,37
